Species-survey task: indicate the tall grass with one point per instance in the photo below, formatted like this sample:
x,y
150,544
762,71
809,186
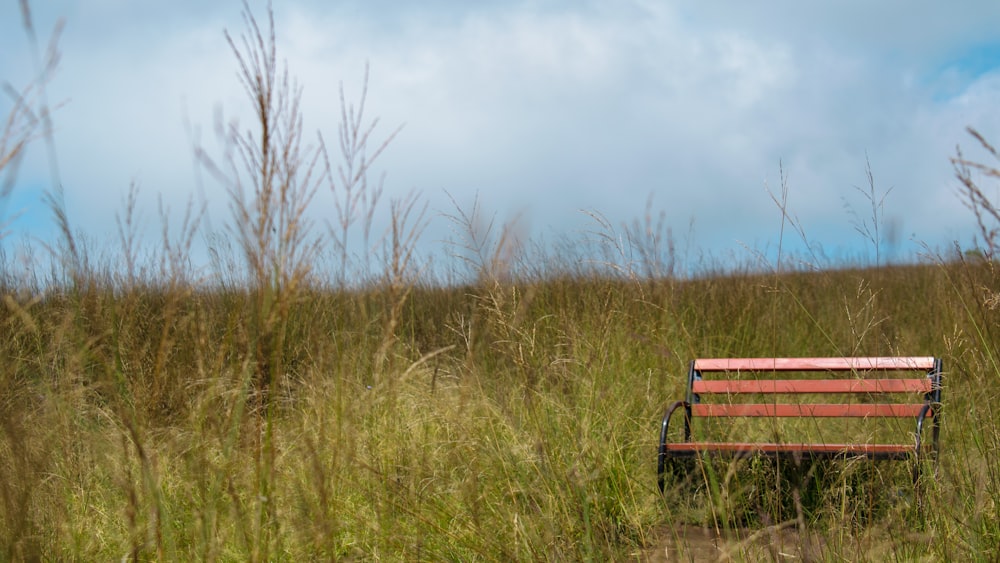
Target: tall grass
x,y
149,411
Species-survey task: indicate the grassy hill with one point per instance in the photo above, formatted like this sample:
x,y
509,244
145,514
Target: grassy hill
x,y
493,421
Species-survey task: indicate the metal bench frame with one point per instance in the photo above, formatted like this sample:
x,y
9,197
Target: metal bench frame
x,y
862,383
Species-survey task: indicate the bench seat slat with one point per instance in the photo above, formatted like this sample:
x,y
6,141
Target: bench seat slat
x,y
744,447
855,410
815,364
921,385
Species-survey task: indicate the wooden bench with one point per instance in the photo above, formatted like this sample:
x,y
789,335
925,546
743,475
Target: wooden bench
x,y
868,388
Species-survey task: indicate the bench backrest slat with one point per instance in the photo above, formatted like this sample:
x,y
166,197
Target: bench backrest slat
x,y
815,364
922,385
853,410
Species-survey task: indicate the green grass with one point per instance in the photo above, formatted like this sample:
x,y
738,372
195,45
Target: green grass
x,y
508,422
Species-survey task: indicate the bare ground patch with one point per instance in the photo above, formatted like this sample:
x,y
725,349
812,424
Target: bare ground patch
x,y
782,542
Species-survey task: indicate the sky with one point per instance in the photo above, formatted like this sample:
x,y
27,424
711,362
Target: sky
x,y
545,114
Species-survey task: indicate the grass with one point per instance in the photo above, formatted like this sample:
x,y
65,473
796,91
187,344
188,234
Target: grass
x,y
148,411
508,422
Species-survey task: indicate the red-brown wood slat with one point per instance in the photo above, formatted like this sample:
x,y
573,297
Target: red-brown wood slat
x,y
922,385
815,364
854,410
744,447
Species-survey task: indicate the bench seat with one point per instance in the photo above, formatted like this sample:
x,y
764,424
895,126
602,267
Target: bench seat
x,y
879,451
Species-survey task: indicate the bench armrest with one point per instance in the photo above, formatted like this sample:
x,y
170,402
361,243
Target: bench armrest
x,y
927,409
661,462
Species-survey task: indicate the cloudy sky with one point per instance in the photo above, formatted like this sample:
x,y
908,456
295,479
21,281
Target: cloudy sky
x,y
545,110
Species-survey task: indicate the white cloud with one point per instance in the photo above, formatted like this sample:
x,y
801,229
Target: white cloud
x,y
552,107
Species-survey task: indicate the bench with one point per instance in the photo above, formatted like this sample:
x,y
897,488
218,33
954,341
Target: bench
x,y
769,389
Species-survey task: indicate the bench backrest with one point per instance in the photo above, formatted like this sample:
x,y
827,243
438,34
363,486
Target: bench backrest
x,y
868,375
929,385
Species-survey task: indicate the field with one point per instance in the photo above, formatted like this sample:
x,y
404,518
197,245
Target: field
x,y
289,403
494,421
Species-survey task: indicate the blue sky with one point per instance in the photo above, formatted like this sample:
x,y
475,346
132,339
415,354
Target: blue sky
x,y
545,109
